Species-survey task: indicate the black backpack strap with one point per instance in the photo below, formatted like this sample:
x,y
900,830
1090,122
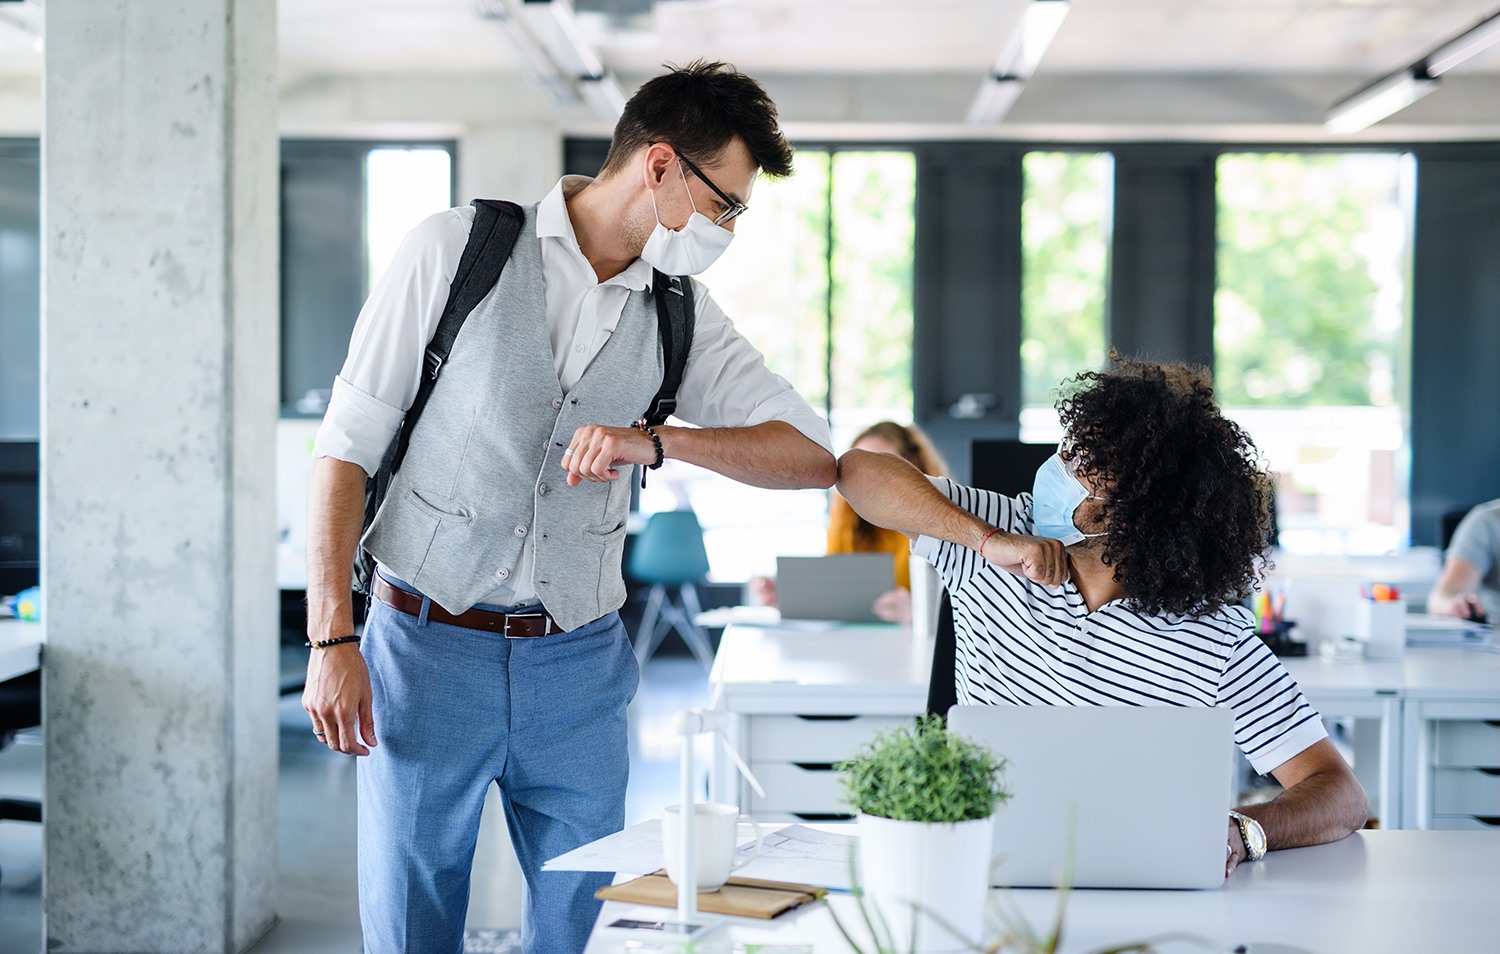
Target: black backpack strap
x,y
496,227
674,319
493,235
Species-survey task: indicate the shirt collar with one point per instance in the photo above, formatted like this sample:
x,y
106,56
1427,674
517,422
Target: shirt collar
x,y
552,222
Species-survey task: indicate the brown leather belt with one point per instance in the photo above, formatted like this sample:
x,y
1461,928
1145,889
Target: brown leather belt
x,y
509,625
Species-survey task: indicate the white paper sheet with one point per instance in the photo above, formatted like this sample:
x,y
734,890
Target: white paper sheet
x,y
795,853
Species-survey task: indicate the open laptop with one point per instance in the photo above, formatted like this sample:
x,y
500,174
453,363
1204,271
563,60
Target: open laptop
x,y
842,587
1145,790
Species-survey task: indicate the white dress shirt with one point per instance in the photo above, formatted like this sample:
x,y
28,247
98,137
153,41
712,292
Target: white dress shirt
x,y
725,384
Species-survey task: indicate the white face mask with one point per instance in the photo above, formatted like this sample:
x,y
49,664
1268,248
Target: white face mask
x,y
693,248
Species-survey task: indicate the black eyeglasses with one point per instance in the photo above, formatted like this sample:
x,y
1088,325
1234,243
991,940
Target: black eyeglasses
x,y
734,210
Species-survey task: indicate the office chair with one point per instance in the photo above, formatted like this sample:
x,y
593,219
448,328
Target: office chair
x,y
669,553
1448,524
942,689
20,708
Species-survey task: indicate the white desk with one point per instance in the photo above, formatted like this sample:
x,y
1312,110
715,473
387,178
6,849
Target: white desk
x,y
20,647
1376,892
802,700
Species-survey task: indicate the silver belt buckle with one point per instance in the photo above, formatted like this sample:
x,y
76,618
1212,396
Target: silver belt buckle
x,y
511,616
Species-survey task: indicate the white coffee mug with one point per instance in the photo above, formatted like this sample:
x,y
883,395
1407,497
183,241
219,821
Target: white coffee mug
x,y
715,837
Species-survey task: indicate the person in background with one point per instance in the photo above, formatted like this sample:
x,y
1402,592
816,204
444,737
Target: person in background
x,y
848,532
1118,581
1469,586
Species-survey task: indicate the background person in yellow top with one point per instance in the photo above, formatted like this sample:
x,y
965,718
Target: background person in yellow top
x,y
848,532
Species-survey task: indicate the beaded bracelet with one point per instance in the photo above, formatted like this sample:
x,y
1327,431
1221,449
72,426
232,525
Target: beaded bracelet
x,y
325,643
660,454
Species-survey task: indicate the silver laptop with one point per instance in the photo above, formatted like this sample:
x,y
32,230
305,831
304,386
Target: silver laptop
x,y
1146,792
842,587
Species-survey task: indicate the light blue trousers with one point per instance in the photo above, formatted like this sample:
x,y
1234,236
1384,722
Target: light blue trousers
x,y
457,710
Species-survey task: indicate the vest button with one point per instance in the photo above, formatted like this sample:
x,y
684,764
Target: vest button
x,y
503,573
557,402
520,531
541,489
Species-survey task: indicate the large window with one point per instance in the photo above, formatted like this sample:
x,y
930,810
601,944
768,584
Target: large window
x,y
1311,337
1065,245
822,258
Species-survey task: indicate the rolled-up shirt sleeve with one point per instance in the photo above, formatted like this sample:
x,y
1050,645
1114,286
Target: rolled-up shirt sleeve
x,y
379,378
726,382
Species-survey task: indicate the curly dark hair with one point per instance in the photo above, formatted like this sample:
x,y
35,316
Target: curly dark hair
x,y
1187,498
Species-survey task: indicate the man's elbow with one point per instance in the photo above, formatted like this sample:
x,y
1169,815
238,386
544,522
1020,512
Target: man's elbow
x,y
1358,801
824,471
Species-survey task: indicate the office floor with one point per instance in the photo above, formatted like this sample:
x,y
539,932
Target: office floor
x,y
317,908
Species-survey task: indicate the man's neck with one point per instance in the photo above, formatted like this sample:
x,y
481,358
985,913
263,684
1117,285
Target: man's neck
x,y
597,212
1096,582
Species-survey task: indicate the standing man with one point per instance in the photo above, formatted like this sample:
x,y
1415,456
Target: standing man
x,y
494,652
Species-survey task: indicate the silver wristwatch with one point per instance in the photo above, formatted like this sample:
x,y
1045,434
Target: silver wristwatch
x,y
1254,836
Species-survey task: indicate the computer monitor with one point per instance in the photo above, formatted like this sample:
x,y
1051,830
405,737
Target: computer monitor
x,y
1005,466
20,523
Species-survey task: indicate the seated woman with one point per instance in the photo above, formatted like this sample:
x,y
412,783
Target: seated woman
x,y
848,532
1119,581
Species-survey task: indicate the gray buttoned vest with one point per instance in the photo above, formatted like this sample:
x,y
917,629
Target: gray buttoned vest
x,y
482,470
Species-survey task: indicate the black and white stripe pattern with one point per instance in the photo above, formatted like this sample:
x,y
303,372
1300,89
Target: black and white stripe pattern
x,y
1021,643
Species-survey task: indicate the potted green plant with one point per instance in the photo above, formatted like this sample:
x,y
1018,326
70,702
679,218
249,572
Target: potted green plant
x,y
926,798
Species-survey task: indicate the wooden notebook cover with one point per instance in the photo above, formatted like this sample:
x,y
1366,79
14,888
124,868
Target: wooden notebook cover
x,y
746,897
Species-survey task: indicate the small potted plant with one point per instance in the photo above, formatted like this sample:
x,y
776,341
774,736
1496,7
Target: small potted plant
x,y
926,798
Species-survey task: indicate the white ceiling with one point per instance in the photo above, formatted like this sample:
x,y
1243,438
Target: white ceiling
x,y
1270,65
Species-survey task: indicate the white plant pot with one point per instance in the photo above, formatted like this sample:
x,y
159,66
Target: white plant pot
x,y
918,871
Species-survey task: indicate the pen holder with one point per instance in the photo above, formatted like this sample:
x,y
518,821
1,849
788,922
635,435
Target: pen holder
x,y
1381,625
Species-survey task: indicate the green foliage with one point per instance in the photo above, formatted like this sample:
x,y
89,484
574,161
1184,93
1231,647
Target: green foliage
x,y
925,773
1312,262
1065,216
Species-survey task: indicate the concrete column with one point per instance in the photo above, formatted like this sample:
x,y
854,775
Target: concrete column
x,y
513,159
159,366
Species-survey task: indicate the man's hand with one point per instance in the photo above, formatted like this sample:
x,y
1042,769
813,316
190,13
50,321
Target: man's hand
x,y
1039,559
1462,605
337,694
1234,851
596,451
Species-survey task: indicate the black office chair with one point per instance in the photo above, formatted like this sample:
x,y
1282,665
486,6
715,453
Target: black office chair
x,y
1448,525
942,693
20,708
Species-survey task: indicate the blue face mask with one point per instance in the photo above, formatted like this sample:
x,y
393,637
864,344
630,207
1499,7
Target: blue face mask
x,y
1055,494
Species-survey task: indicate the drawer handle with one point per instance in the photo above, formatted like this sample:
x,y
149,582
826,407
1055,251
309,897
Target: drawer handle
x,y
815,766
1492,772
822,816
827,718
1489,821
1492,723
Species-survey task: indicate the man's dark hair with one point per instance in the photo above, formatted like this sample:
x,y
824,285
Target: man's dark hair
x,y
699,109
1187,499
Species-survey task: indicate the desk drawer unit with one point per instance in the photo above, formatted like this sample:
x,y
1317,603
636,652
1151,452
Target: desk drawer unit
x,y
794,758
1473,744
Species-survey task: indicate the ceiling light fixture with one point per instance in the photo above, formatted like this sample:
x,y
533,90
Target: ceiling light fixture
x,y
1379,100
1469,43
555,27
1391,94
604,95
1023,51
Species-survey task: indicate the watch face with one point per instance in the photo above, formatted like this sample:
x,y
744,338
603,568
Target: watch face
x,y
1254,835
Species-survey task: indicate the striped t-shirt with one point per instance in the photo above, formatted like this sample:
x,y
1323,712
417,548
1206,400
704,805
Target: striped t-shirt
x,y
1022,643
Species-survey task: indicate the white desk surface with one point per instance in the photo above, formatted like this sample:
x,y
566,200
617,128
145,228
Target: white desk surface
x,y
759,665
1375,892
766,668
20,647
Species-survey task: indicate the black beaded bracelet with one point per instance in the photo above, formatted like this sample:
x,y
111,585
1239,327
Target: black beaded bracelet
x,y
660,454
325,643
